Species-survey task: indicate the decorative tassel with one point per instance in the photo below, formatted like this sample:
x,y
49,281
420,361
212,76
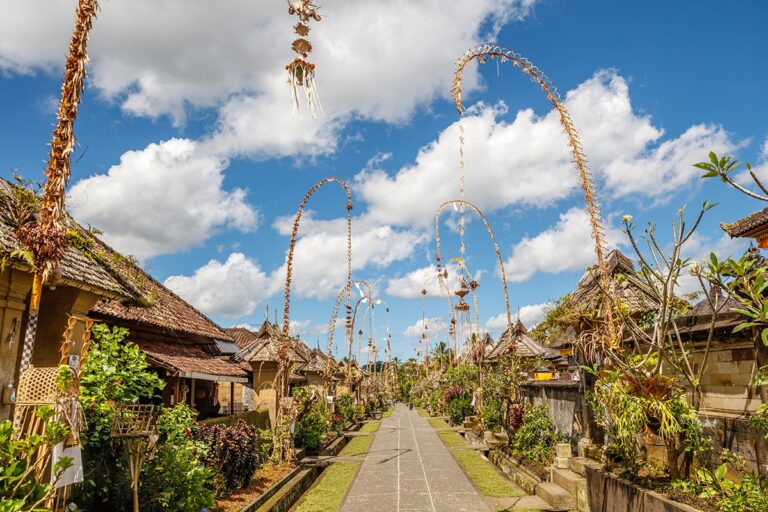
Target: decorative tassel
x,y
301,72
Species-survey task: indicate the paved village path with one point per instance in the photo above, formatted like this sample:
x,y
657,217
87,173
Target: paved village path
x,y
409,469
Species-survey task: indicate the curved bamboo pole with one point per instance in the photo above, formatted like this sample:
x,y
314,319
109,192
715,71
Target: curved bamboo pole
x,y
482,54
471,206
283,359
345,292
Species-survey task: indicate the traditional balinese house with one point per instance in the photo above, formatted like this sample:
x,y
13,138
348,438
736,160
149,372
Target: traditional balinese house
x,y
260,353
524,346
753,226
318,365
81,283
728,394
187,349
625,286
488,345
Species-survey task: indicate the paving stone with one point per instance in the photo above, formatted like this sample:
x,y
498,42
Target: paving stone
x,y
409,469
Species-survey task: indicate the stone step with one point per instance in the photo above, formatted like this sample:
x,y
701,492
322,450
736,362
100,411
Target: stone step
x,y
566,479
557,497
579,465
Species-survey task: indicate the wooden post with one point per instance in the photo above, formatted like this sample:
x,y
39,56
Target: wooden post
x,y
232,397
192,395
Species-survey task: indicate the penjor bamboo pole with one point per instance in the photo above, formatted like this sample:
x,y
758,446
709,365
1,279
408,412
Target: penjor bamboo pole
x,y
46,239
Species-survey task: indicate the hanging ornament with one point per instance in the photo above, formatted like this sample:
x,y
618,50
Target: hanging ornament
x,y
301,72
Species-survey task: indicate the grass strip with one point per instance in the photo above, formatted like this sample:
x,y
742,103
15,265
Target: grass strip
x,y
371,426
387,413
484,475
330,490
357,446
438,423
451,439
422,412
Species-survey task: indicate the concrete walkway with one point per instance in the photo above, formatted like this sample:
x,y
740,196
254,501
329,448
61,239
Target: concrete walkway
x,y
409,469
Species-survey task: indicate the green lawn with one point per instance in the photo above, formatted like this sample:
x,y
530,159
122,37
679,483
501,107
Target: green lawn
x,y
438,423
371,426
451,439
484,475
330,490
356,446
387,413
422,412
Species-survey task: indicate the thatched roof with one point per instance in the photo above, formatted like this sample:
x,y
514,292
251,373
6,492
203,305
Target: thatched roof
x,y
78,267
699,318
318,362
264,347
523,344
624,284
130,296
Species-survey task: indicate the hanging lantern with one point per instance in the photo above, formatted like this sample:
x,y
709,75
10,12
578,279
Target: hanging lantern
x,y
301,72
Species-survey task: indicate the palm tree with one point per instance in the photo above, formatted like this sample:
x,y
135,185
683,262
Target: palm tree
x,y
441,354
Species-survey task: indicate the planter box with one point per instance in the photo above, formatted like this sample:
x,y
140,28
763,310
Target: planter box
x,y
508,465
608,493
284,493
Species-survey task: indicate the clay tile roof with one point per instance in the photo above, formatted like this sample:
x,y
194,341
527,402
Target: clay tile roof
x,y
166,310
186,358
241,335
748,226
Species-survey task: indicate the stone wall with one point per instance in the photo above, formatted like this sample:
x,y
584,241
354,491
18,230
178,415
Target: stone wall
x,y
563,400
607,492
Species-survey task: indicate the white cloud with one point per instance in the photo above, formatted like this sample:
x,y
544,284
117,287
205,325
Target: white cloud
x,y
760,168
409,286
375,60
165,198
530,315
625,150
437,328
231,289
544,251
494,176
319,264
699,247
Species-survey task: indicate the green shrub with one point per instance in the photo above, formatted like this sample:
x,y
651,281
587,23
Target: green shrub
x,y
310,430
536,437
749,495
175,479
491,415
344,405
460,408
19,490
116,372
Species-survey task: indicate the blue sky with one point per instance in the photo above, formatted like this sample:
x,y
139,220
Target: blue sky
x,y
191,157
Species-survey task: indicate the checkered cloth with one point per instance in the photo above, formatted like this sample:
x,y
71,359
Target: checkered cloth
x,y
29,343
